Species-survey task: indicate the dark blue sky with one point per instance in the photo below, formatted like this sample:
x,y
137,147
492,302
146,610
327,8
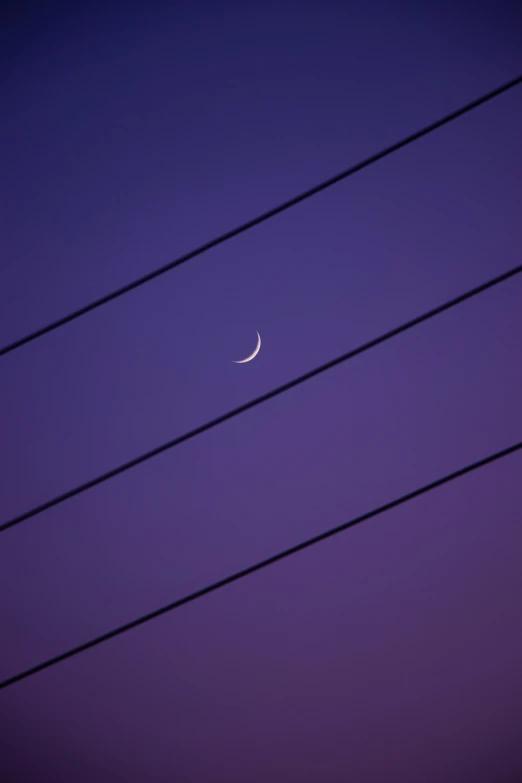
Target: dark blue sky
x,y
132,133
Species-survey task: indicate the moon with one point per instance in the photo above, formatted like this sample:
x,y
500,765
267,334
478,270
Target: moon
x,y
253,354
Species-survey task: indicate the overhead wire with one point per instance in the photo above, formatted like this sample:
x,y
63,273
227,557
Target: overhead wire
x,y
262,398
259,219
257,566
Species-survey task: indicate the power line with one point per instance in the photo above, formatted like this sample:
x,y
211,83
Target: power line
x,y
259,219
258,400
258,566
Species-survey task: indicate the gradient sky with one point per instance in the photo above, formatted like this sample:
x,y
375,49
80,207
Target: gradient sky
x,y
130,134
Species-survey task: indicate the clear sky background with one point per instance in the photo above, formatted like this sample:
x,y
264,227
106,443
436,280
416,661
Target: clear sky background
x,y
132,133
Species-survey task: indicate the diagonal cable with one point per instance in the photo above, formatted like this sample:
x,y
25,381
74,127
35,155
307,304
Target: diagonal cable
x,y
261,399
258,566
260,218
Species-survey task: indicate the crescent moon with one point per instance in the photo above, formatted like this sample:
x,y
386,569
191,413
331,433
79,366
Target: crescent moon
x,y
252,355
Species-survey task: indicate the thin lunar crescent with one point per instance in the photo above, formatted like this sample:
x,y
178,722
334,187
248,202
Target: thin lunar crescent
x,y
252,355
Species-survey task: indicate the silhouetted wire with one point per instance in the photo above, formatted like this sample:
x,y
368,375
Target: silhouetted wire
x,y
258,566
258,400
259,219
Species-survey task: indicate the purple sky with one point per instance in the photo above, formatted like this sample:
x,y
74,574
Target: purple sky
x,y
130,134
